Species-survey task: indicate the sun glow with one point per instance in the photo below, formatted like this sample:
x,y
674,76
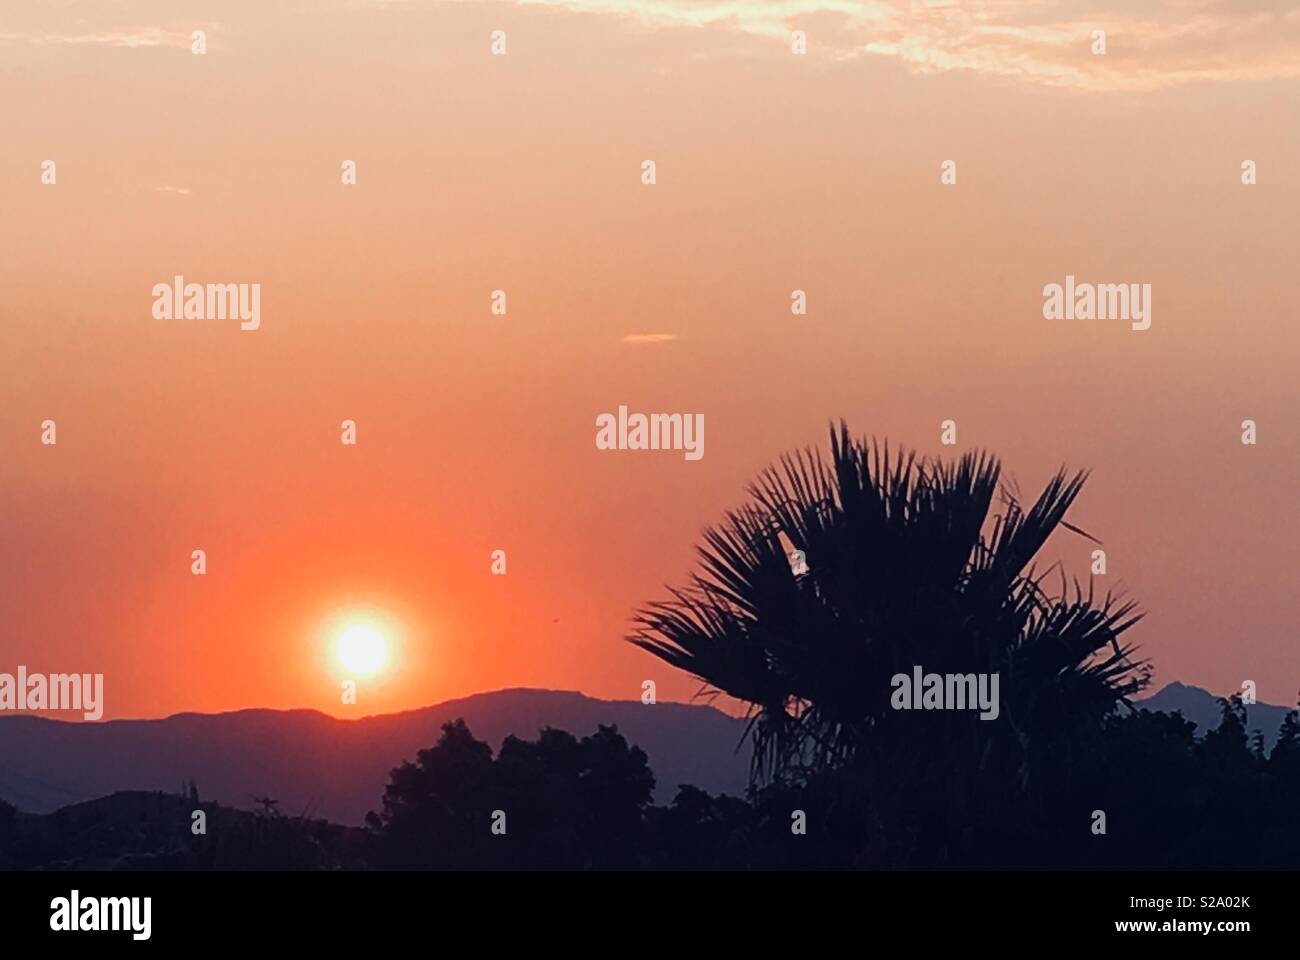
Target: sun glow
x,y
362,649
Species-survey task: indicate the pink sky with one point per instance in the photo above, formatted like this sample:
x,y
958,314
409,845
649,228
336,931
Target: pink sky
x,y
775,172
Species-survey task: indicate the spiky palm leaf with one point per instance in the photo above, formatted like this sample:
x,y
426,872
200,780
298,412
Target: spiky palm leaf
x,y
908,566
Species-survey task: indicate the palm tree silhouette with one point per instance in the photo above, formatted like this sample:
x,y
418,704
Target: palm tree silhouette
x,y
906,561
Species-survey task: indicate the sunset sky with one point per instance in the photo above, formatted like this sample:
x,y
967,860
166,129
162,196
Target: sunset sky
x,y
522,172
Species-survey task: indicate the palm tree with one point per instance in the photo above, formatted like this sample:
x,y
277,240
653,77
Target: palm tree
x,y
905,567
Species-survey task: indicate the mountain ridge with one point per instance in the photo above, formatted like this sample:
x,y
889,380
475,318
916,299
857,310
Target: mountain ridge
x,y
333,766
1202,708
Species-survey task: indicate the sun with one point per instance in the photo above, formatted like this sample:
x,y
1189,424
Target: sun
x,y
362,649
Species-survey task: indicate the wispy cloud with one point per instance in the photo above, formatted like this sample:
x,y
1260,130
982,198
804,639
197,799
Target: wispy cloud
x,y
648,337
135,37
771,17
1150,43
168,188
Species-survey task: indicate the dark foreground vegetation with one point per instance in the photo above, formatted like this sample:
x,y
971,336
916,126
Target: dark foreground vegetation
x,y
1172,801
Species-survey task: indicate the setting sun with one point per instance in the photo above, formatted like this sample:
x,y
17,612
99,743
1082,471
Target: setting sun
x,y
362,649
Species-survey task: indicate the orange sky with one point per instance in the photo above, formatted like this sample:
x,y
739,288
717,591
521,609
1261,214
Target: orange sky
x,y
775,172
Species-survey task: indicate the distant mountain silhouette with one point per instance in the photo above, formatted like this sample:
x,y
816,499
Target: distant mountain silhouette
x,y
1202,708
150,830
336,769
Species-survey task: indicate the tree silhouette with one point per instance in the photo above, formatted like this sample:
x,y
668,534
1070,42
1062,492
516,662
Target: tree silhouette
x,y
1284,761
567,803
909,562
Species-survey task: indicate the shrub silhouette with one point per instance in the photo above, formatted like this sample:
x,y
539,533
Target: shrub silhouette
x,y
568,803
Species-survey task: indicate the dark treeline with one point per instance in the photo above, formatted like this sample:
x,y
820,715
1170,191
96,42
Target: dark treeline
x,y
1171,801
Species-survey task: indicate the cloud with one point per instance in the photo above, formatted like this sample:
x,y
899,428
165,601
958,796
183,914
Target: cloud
x,y
167,188
648,337
111,36
1150,43
148,37
770,17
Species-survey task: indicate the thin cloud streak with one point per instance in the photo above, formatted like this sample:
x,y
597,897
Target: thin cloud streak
x,y
1150,43
148,37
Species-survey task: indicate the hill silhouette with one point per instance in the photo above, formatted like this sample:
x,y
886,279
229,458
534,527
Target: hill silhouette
x,y
336,769
1203,709
151,830
331,768
559,801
